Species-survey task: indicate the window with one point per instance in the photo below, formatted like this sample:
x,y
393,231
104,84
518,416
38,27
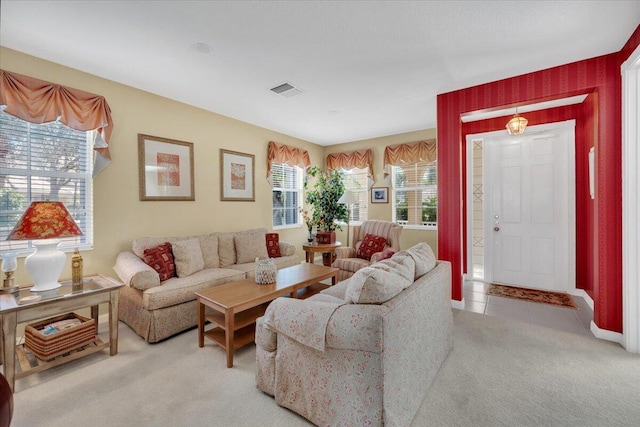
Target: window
x,y
45,162
357,181
415,194
286,194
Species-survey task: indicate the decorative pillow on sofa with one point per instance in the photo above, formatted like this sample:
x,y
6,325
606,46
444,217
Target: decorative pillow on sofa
x,y
381,281
423,256
386,254
273,245
370,245
226,249
188,257
209,248
250,246
160,258
139,245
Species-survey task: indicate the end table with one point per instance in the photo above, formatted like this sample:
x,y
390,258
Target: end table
x,y
97,290
326,249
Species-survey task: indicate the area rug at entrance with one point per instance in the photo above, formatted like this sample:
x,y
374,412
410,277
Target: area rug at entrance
x,y
533,295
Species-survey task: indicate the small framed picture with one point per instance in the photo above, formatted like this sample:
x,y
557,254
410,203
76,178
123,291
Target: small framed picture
x,y
165,169
380,195
237,176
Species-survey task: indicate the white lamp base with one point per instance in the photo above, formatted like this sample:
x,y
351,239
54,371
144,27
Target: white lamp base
x,y
45,265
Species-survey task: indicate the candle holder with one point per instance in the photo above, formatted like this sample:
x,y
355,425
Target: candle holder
x,y
9,266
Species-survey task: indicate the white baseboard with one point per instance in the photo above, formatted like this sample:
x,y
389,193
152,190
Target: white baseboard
x,y
605,334
457,304
584,295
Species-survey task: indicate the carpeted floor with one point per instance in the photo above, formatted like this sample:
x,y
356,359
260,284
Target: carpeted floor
x,y
498,374
533,295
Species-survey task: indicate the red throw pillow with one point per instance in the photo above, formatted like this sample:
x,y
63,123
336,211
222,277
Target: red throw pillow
x,y
386,254
160,258
273,248
370,245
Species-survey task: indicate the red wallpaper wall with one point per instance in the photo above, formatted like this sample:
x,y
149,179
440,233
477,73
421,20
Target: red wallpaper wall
x,y
600,76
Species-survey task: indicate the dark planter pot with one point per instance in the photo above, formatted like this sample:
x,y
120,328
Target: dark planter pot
x,y
326,237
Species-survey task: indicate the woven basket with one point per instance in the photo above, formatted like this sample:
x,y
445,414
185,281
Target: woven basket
x,y
47,347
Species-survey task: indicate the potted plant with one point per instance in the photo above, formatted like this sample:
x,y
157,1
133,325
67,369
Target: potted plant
x,y
324,196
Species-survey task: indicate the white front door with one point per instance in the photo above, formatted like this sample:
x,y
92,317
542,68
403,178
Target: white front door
x,y
530,207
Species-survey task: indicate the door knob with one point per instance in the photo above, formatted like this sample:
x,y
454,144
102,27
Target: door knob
x,y
496,228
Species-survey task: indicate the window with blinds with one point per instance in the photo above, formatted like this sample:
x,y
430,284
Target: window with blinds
x,y
357,181
45,162
286,194
415,194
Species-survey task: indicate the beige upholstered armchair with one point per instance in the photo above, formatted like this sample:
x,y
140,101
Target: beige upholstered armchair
x,y
347,259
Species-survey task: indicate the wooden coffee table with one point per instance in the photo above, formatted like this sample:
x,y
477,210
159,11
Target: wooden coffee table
x,y
237,305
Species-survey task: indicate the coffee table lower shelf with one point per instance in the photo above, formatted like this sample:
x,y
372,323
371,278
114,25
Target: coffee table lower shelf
x,y
29,364
244,326
241,337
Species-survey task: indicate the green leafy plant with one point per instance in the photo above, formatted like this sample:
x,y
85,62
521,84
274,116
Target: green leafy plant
x,y
429,212
327,190
11,201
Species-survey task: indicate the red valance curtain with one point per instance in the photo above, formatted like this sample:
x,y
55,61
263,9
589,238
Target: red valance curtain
x,y
285,154
38,101
362,159
414,152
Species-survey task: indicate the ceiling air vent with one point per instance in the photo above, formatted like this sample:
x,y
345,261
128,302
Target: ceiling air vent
x,y
286,90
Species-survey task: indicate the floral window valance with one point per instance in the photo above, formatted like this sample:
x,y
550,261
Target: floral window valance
x,y
361,159
401,154
285,154
37,101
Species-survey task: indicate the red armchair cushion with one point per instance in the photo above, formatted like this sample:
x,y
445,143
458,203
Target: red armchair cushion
x,y
370,245
273,247
160,258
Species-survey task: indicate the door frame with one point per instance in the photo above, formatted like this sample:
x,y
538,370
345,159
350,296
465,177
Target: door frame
x,y
571,173
630,70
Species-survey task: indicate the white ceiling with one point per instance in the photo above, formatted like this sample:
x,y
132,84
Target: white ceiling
x,y
367,69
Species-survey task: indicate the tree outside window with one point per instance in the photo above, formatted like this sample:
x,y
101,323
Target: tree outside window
x,y
47,161
286,191
356,180
415,194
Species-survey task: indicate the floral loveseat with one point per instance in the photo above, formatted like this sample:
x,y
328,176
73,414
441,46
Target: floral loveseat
x,y
365,351
158,309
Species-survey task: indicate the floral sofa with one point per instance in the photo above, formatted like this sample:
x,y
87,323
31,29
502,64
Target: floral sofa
x,y
158,309
365,351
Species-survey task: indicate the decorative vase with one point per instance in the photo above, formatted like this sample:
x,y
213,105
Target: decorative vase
x,y
266,271
310,236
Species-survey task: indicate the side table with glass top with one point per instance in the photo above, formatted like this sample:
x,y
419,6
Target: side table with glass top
x,y
96,290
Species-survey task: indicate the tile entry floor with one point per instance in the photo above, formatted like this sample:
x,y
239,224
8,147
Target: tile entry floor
x,y
533,313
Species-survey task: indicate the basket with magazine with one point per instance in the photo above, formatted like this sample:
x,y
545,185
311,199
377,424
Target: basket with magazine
x,y
50,338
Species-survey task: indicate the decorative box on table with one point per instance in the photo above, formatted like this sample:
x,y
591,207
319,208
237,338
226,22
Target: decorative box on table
x,y
47,347
326,237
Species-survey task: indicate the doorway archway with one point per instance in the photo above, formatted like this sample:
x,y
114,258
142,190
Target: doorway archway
x,y
631,202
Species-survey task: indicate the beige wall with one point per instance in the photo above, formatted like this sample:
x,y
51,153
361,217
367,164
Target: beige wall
x,y
119,215
409,237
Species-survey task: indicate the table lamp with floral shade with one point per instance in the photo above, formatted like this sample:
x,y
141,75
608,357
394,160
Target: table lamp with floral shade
x,y
45,222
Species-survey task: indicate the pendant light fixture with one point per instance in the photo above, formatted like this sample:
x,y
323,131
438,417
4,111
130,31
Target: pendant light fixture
x,y
517,124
